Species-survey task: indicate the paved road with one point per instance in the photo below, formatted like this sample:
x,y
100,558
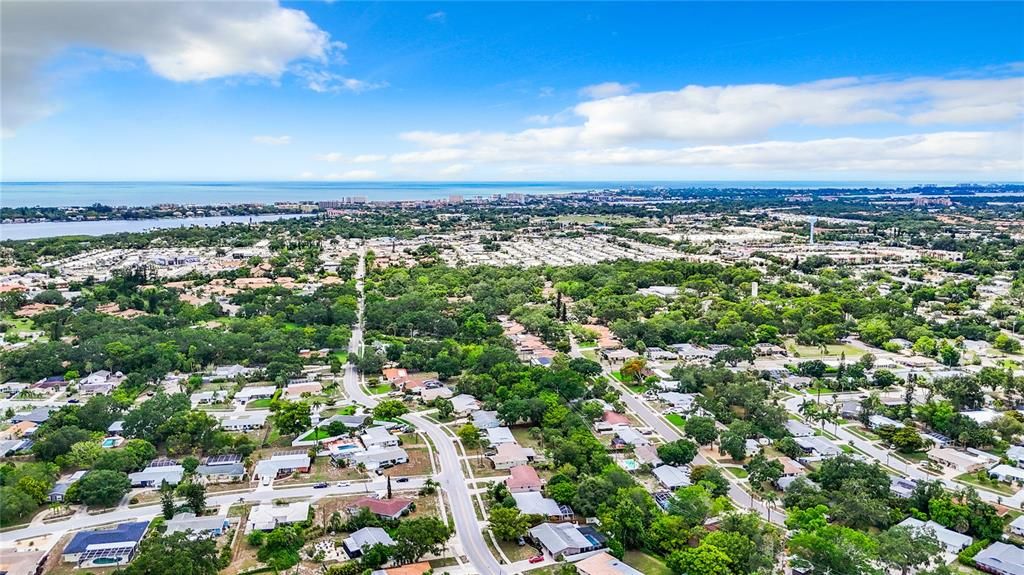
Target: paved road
x,y
450,477
885,457
263,495
666,430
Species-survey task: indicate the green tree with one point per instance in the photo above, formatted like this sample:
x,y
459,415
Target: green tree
x,y
680,452
444,407
166,500
291,417
415,538
906,549
103,488
175,554
195,495
390,409
701,560
701,429
508,523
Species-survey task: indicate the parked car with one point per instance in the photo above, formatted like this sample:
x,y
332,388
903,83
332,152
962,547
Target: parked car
x,y
536,559
343,484
320,485
520,541
402,480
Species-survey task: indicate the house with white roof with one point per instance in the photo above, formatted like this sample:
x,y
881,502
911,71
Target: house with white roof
x,y
465,403
798,428
1007,473
672,477
499,435
281,464
244,421
565,539
155,475
365,538
953,542
201,527
958,460
534,503
254,392
378,437
380,457
267,516
1001,559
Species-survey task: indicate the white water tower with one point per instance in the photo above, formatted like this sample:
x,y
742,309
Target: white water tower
x,y
812,219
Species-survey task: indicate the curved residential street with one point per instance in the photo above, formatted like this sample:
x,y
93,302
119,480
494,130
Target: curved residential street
x,y
450,477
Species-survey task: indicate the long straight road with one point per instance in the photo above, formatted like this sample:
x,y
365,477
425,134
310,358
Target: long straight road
x,y
450,477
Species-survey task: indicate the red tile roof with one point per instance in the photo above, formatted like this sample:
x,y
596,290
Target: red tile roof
x,y
386,507
522,476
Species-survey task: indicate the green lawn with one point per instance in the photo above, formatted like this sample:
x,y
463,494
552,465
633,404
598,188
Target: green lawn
x,y
737,472
315,435
676,419
258,404
618,375
991,485
380,389
833,350
646,564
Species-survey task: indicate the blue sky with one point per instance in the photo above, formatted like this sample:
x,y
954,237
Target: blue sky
x,y
489,91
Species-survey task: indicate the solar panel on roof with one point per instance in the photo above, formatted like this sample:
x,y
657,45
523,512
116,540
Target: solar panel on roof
x,y
223,459
162,463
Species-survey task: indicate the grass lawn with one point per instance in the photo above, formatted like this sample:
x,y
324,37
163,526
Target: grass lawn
x,y
676,419
342,356
259,404
862,433
590,354
737,472
647,564
380,389
991,485
834,350
618,375
315,435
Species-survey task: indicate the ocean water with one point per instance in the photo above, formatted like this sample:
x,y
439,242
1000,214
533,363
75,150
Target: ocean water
x,y
51,194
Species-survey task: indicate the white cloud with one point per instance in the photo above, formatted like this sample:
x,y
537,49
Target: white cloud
x,y
438,16
354,175
606,90
368,158
180,41
454,170
321,80
338,157
272,140
730,113
976,127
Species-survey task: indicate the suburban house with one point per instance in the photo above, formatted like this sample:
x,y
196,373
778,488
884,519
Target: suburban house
x,y
349,421
384,508
464,403
523,478
1007,473
38,416
533,503
1001,559
158,471
267,516
902,487
485,419
365,538
798,428
60,489
18,430
499,435
393,374
378,437
222,469
1015,453
432,393
647,454
201,527
380,457
208,397
672,477
567,539
1017,526
254,392
953,542
509,455
224,372
280,464
958,460
105,547
681,402
244,422
817,446
604,564
116,428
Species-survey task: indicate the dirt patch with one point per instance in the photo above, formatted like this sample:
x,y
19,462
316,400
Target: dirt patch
x,y
419,463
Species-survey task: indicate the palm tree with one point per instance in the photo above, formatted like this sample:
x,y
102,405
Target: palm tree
x,y
770,498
